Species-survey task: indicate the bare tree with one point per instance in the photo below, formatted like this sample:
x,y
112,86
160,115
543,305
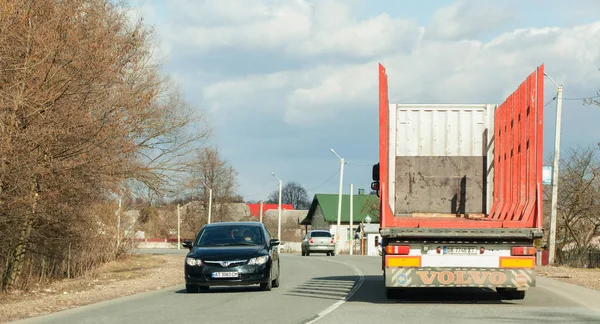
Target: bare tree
x,y
83,110
210,169
291,193
578,217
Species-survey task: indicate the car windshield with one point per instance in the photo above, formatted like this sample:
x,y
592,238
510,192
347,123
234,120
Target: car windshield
x,y
320,234
230,236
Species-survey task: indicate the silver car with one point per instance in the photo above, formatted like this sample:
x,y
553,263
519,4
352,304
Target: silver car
x,y
318,241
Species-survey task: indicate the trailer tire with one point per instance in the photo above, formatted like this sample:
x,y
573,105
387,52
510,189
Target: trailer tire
x,y
394,293
512,294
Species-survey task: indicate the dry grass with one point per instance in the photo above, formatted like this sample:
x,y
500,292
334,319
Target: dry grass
x,y
135,274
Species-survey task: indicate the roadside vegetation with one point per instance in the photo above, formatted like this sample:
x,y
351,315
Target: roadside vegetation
x,y
578,212
85,118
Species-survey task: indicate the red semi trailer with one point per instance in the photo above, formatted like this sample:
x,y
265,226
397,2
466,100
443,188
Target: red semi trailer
x,y
461,191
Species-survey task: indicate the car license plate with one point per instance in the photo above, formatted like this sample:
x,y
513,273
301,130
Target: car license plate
x,y
460,250
322,247
229,274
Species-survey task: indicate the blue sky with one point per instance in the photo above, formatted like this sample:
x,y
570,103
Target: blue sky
x,y
282,82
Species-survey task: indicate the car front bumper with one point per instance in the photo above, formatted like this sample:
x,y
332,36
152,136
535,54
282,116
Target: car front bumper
x,y
247,275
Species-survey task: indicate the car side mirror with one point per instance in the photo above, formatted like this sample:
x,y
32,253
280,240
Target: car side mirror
x,y
187,244
275,242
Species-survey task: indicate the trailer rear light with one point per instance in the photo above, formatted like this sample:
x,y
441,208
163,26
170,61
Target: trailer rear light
x,y
522,250
397,249
311,241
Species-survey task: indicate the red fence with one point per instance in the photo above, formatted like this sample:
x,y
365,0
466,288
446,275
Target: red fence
x,y
518,155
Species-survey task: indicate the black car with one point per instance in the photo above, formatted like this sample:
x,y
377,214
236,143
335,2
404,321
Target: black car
x,y
232,254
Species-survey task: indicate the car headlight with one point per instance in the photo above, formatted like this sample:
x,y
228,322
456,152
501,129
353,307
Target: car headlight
x,y
259,260
193,262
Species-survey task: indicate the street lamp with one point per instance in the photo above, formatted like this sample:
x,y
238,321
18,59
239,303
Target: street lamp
x,y
555,167
279,207
209,200
339,213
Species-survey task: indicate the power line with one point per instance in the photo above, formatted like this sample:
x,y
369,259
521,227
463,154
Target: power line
x,y
547,103
583,98
577,99
325,182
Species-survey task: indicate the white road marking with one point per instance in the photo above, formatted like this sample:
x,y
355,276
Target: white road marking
x,y
339,303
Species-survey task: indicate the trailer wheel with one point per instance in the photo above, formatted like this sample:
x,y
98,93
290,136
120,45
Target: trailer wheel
x,y
394,293
513,294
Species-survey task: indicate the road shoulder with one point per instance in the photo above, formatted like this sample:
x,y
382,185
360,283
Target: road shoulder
x,y
136,274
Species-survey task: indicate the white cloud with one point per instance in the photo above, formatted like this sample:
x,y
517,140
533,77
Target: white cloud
x,y
467,19
463,71
299,28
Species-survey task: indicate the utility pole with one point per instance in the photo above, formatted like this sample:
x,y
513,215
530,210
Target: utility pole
x,y
209,204
351,218
178,228
339,213
119,225
261,211
279,209
555,169
362,238
209,200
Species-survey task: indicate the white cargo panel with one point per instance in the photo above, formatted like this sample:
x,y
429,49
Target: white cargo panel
x,y
441,130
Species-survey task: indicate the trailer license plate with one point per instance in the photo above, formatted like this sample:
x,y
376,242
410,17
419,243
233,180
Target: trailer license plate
x,y
229,274
460,250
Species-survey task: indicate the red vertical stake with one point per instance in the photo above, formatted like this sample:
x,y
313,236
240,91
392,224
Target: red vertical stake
x,y
524,93
496,163
513,154
540,144
532,154
499,148
386,215
508,166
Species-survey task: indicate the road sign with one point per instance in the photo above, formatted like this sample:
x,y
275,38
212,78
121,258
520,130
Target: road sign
x,y
547,175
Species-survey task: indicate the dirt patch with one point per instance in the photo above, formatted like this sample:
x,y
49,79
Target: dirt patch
x,y
589,278
135,274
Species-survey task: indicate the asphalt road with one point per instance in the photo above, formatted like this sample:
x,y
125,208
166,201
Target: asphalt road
x,y
340,289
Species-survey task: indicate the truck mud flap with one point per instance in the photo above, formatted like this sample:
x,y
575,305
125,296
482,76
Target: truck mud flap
x,y
459,277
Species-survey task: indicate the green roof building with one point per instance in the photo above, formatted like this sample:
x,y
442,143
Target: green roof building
x,y
324,209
